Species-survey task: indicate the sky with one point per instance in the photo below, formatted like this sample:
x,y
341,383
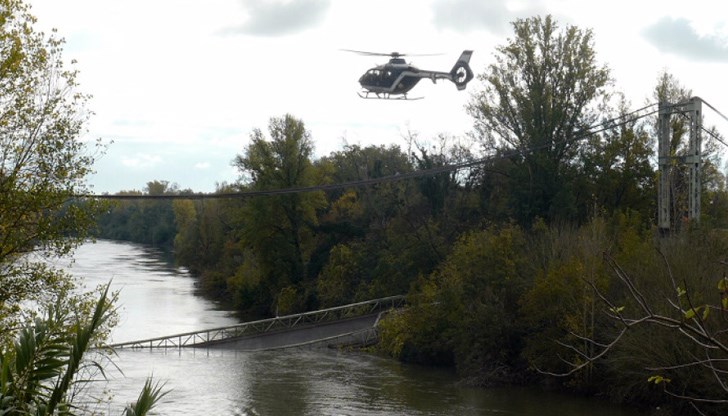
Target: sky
x,y
178,86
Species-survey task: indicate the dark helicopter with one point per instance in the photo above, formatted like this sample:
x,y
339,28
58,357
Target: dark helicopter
x,y
396,78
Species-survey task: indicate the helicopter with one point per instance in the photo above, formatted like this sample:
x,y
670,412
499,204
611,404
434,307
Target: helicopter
x,y
393,80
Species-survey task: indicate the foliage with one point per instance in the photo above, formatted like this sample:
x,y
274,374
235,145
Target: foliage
x,y
616,169
561,301
43,163
150,395
661,328
46,328
536,100
279,229
150,222
337,281
467,309
43,372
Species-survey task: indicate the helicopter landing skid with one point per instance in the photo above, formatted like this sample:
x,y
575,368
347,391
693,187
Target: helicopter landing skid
x,y
368,95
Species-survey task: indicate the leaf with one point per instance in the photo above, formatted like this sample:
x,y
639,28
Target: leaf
x,y
618,309
149,397
680,291
705,313
690,314
723,284
657,379
724,302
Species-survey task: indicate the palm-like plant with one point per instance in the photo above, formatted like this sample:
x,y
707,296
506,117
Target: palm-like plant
x,y
38,371
149,396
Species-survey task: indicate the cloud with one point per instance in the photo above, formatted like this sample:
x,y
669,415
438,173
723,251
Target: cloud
x,y
141,160
279,18
678,37
492,15
202,165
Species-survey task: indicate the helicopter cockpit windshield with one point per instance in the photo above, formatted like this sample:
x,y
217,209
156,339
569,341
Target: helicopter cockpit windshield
x,y
378,77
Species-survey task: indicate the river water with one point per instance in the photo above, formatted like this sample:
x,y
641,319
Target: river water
x,y
159,299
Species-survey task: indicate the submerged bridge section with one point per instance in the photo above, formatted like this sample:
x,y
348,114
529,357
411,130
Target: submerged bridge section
x,y
354,323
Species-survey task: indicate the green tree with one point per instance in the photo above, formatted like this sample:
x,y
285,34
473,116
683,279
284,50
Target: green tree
x,y
207,241
536,99
616,170
43,163
466,312
561,302
279,228
380,202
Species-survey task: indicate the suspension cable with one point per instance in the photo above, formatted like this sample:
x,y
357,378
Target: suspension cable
x,y
601,127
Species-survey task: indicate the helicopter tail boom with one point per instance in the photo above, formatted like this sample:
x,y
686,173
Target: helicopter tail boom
x,y
461,73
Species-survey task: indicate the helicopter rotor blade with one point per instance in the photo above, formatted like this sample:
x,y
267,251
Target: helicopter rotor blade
x,y
390,54
367,53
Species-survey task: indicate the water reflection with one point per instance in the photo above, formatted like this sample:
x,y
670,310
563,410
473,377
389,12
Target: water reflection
x,y
327,382
155,297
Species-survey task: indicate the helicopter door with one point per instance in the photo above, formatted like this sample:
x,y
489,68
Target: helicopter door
x,y
388,78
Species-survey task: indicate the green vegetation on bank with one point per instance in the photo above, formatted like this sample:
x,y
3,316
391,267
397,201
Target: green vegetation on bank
x,y
47,326
531,262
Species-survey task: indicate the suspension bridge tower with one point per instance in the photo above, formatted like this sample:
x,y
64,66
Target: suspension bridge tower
x,y
666,202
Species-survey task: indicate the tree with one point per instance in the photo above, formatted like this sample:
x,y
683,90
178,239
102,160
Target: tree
x,y
537,98
43,163
616,171
279,228
466,311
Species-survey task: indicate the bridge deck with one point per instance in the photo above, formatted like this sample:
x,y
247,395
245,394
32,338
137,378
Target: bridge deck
x,y
336,332
356,318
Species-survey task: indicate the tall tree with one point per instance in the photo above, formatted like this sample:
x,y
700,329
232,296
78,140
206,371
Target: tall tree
x,y
617,174
279,228
43,162
536,98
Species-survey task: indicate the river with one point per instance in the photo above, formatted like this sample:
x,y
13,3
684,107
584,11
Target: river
x,y
157,298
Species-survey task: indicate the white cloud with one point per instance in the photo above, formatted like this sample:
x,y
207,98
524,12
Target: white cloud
x,y
493,15
277,18
678,36
202,165
141,161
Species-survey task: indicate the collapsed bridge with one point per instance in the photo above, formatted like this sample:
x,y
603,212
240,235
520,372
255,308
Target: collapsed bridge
x,y
348,324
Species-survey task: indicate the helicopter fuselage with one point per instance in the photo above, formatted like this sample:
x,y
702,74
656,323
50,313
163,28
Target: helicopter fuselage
x,y
397,77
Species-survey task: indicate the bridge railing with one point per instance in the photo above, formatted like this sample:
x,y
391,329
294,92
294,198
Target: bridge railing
x,y
279,323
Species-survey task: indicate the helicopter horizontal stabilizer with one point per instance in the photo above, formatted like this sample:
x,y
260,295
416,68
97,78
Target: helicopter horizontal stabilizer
x,y
461,73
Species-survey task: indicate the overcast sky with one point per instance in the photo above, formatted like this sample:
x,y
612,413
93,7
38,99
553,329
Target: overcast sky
x,y
178,85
